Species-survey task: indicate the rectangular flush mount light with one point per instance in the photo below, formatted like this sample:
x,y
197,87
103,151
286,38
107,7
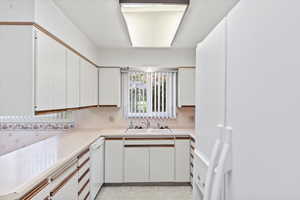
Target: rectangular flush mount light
x,y
153,23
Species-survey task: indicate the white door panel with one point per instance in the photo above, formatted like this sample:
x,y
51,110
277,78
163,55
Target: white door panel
x,y
210,86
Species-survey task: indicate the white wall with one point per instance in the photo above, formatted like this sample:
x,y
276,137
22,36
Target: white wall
x,y
49,16
167,57
17,10
264,99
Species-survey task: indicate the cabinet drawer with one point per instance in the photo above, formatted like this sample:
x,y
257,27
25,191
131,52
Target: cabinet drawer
x,y
40,191
82,157
84,178
84,191
62,173
132,141
83,167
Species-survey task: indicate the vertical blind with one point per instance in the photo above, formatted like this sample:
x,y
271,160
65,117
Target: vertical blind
x,y
149,94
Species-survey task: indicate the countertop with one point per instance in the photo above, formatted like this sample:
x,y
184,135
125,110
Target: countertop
x,y
23,168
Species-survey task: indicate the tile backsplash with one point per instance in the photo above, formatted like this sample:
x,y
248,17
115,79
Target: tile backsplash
x,y
59,121
112,118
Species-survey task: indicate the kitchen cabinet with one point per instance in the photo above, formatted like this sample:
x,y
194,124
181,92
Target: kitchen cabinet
x,y
110,86
182,160
43,72
162,163
136,165
40,191
97,166
186,86
88,84
84,174
73,84
149,160
17,73
50,73
114,160
64,182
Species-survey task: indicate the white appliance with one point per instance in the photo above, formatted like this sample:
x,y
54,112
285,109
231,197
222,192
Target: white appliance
x,y
97,166
209,176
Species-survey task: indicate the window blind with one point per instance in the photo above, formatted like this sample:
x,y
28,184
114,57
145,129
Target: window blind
x,y
149,94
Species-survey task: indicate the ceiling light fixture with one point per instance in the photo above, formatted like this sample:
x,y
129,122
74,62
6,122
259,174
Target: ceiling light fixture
x,y
153,23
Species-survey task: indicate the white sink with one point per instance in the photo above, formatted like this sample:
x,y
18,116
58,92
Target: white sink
x,y
148,131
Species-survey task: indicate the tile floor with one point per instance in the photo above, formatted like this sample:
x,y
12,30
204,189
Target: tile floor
x,y
145,193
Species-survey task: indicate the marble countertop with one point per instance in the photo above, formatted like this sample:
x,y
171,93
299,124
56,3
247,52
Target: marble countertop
x,y
23,168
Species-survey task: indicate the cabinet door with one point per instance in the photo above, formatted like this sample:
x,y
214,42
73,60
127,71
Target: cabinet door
x,y
136,167
109,86
72,70
16,70
88,84
114,161
182,160
210,87
97,170
186,87
93,85
162,164
50,73
84,92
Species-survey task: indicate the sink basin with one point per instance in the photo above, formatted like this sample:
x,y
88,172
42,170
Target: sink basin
x,y
148,131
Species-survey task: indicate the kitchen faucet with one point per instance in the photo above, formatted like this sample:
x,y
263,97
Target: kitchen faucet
x,y
147,123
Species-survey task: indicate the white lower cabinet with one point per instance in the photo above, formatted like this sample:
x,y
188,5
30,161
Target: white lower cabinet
x,y
182,160
65,183
114,160
68,190
162,164
136,165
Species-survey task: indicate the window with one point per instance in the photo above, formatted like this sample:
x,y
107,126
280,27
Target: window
x,y
149,94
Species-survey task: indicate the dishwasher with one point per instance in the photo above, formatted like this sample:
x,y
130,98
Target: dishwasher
x,y
97,166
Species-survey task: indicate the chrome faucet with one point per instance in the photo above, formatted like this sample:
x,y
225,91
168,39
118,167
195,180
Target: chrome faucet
x,y
147,123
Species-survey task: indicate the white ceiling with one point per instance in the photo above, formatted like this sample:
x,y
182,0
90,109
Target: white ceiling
x,y
103,23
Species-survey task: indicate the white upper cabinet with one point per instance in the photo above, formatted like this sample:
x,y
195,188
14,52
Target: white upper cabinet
x,y
182,160
110,86
73,85
88,84
16,70
186,87
50,73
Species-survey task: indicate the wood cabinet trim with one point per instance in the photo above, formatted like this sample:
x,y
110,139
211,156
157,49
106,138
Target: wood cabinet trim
x,y
83,175
148,145
108,106
83,153
83,187
45,31
61,171
113,138
86,196
84,162
182,137
148,138
64,182
33,192
42,112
